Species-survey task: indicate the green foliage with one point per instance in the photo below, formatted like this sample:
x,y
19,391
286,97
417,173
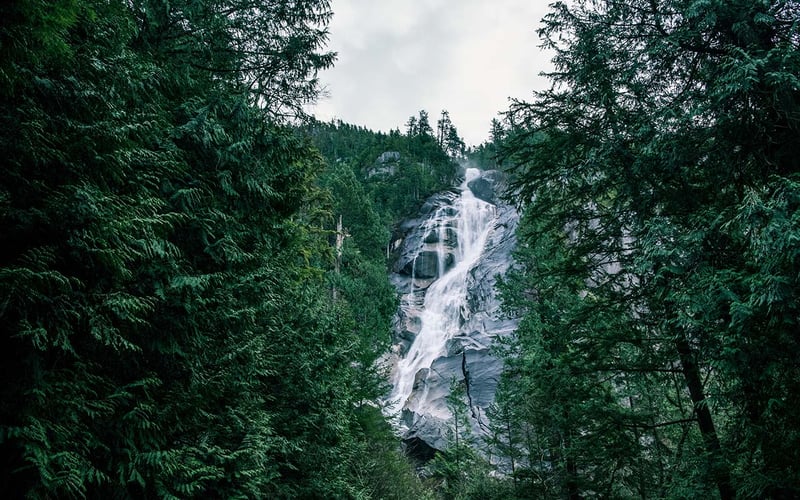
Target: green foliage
x,y
486,156
460,472
165,280
447,136
654,288
395,189
381,471
366,199
35,34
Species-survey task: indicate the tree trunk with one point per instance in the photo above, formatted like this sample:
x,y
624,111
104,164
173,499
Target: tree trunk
x,y
573,492
694,382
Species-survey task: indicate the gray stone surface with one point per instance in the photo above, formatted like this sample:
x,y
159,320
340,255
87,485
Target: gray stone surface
x,y
468,353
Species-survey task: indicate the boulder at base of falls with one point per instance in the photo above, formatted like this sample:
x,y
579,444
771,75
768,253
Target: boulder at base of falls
x,y
431,424
417,449
430,430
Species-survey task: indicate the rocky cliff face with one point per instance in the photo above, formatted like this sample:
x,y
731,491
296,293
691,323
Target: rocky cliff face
x,y
446,265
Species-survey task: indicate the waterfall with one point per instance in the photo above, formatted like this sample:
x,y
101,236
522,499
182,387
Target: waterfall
x,y
458,235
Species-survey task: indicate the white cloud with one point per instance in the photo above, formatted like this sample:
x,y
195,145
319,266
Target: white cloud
x,y
396,58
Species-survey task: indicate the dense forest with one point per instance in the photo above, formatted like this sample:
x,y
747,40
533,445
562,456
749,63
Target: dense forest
x,y
193,276
659,257
179,317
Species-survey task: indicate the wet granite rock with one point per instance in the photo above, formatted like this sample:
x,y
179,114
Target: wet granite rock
x,y
467,357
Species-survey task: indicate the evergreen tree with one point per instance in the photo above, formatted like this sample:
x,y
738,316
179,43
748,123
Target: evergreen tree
x,y
168,329
652,177
422,168
423,125
447,137
411,126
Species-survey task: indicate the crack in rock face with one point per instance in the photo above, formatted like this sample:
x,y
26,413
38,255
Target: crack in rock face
x,y
446,264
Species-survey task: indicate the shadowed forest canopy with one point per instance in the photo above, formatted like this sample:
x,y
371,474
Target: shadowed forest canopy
x,y
659,257
166,274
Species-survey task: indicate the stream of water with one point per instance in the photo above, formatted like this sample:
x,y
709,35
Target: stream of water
x,y
445,301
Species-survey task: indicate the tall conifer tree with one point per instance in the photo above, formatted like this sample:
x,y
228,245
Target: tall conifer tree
x,y
654,177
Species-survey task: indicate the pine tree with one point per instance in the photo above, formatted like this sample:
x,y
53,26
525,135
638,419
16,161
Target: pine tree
x,y
669,127
165,327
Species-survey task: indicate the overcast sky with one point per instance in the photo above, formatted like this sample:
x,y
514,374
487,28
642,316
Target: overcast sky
x,y
396,57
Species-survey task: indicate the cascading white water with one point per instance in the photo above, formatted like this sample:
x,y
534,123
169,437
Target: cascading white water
x,y
445,303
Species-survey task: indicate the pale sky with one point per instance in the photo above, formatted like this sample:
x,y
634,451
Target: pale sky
x,y
396,57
